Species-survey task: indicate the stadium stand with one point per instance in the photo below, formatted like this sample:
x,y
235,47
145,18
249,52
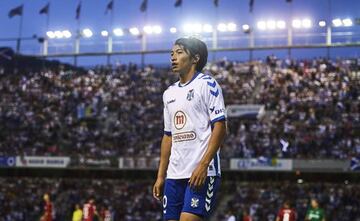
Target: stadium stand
x,y
312,105
263,200
129,200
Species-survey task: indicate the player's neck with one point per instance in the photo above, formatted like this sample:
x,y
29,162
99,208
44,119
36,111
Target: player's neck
x,y
187,75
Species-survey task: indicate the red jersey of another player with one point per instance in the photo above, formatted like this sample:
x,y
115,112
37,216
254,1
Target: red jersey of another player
x,y
106,215
286,215
89,211
47,216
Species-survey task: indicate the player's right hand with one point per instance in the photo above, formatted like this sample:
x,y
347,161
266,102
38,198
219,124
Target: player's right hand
x,y
158,188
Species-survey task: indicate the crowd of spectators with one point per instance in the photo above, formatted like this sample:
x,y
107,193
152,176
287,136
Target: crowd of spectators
x,y
262,201
312,110
132,200
21,198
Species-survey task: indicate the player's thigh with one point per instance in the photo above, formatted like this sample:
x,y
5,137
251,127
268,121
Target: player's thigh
x,y
201,202
173,199
189,217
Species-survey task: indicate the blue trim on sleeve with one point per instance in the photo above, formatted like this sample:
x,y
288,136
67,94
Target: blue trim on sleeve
x,y
168,133
221,118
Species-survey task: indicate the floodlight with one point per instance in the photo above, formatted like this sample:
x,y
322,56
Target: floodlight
x,y
59,34
281,24
207,28
261,25
134,31
222,27
50,34
66,33
87,33
104,33
347,22
271,25
157,29
148,29
337,22
231,26
246,27
306,23
296,23
322,23
118,32
173,30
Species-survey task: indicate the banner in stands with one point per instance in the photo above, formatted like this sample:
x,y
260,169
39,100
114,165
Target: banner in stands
x,y
355,164
261,164
92,162
146,163
45,162
251,111
7,161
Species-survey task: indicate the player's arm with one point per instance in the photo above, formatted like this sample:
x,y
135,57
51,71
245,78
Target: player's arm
x,y
199,175
164,154
164,162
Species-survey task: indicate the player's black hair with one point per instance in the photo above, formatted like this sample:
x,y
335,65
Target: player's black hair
x,y
194,47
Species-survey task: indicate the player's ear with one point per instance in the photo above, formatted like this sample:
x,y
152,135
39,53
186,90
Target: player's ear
x,y
196,59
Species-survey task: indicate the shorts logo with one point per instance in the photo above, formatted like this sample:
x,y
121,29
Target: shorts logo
x,y
179,120
194,202
209,194
190,95
184,136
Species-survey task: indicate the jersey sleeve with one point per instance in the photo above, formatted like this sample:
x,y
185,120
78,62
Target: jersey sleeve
x,y
214,100
167,118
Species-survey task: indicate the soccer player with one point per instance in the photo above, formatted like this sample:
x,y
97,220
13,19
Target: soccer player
x,y
315,213
105,213
194,128
89,210
47,216
77,214
286,213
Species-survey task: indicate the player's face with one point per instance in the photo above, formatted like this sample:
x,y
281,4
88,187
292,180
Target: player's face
x,y
314,203
181,60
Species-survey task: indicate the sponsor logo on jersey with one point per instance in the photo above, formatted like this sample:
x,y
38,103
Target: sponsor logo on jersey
x,y
171,101
179,120
219,111
190,95
194,202
184,136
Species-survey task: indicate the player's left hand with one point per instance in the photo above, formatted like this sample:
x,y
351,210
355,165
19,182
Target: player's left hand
x,y
198,176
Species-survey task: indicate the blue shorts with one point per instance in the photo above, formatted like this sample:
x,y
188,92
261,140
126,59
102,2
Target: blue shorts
x,y
179,197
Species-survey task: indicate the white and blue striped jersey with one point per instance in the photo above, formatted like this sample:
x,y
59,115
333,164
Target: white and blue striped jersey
x,y
190,110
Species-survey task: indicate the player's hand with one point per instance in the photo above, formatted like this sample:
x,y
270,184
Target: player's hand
x,y
158,188
199,176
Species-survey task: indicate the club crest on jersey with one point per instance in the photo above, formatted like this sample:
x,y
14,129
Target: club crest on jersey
x,y
190,95
179,120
